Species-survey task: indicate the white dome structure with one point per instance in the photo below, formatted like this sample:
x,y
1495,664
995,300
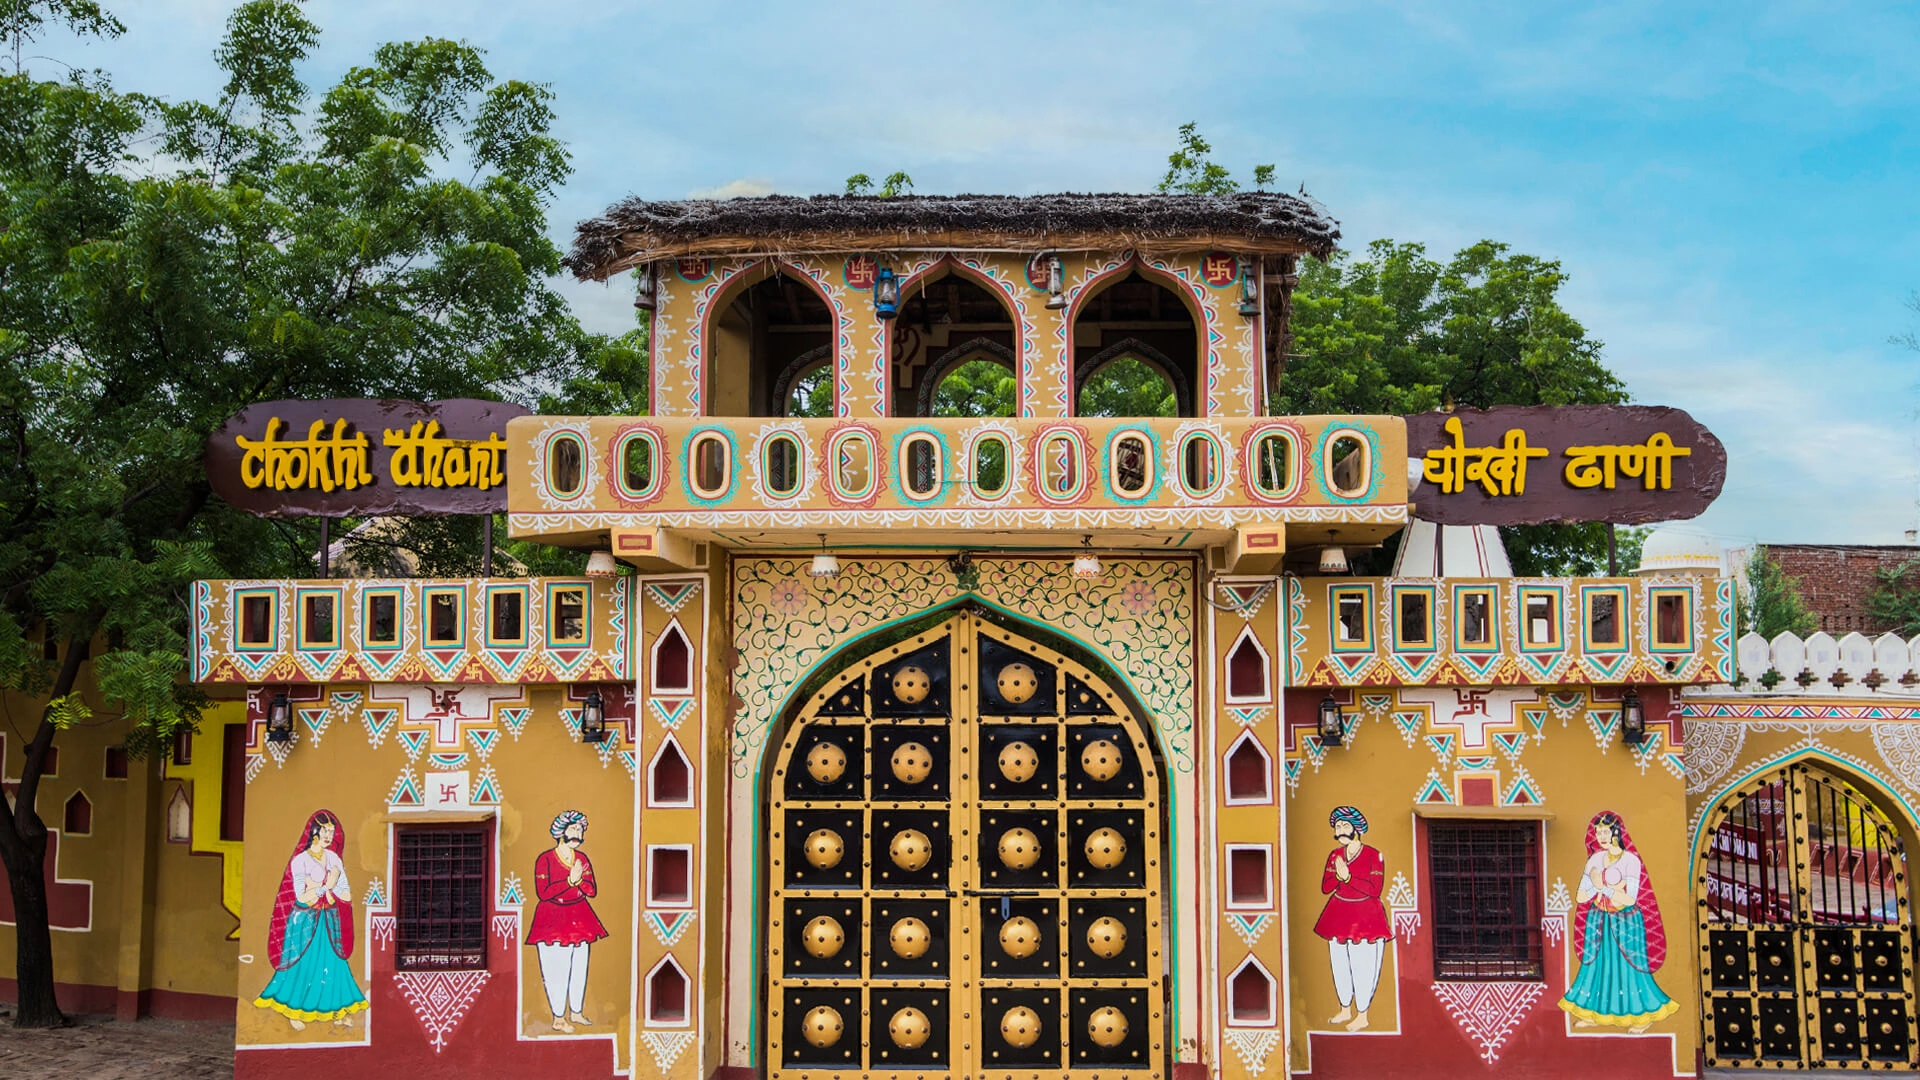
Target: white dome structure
x,y
1677,549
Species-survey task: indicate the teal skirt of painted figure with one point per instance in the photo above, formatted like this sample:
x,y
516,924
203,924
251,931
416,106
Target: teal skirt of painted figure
x,y
1614,986
316,984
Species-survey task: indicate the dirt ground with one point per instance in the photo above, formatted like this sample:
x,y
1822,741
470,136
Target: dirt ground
x,y
100,1048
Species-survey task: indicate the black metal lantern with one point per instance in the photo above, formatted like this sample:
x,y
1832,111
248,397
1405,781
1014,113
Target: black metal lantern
x,y
1056,283
280,719
886,294
1249,288
1633,719
593,719
1333,728
645,288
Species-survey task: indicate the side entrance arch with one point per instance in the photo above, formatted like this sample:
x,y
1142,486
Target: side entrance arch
x,y
1806,931
964,868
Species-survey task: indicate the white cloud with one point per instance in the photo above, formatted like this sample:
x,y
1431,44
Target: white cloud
x,y
734,189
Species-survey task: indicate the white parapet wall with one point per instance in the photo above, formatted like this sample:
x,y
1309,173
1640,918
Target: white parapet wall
x,y
1854,665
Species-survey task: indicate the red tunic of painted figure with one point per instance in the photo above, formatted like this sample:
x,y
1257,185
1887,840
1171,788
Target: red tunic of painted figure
x,y
1353,912
563,916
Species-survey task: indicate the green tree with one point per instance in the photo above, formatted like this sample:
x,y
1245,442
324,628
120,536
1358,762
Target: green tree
x,y
1772,603
1127,387
975,388
1895,599
1191,169
165,264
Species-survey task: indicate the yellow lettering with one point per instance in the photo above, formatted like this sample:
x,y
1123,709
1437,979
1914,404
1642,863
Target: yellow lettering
x,y
1499,470
1602,466
320,461
423,457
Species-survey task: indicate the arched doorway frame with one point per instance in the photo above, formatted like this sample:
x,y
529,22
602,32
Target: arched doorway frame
x,y
746,278
745,887
1203,323
1016,316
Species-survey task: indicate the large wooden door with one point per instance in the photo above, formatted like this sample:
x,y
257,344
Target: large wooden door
x,y
1806,933
964,870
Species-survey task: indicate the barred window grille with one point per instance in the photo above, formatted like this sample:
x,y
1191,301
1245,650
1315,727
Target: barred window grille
x,y
1486,900
441,889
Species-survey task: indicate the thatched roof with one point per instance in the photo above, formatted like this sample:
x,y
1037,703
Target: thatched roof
x,y
636,230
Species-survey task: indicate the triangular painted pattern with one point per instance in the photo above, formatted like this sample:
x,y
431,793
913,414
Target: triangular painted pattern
x,y
1353,665
380,663
628,759
1608,668
1510,742
446,663
670,712
1648,751
440,999
1537,718
413,741
1441,745
1247,715
1522,792
1603,722
668,926
1249,927
1433,791
1676,763
510,895
483,740
666,1046
674,596
506,661
406,792
1293,774
516,720
1409,721
379,723
1414,672
1542,667
1488,1012
486,790
1477,663
1316,750
316,721
1255,1047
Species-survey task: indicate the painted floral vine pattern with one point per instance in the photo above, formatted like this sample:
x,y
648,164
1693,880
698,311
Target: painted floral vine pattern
x,y
1137,615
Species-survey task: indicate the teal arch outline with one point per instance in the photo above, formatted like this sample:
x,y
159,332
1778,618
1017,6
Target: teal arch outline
x,y
1846,765
851,649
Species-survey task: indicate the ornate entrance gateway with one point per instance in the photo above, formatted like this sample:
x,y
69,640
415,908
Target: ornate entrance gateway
x,y
1806,936
965,869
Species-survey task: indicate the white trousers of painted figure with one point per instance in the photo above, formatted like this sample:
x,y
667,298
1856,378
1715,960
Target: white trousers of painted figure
x,y
1356,971
563,970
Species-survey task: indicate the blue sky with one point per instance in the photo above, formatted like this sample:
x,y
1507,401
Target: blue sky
x,y
1731,186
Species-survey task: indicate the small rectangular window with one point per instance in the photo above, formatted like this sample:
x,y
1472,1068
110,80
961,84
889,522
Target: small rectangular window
x,y
116,767
569,613
1541,612
256,619
440,889
443,618
670,876
1476,617
316,621
1671,620
383,618
182,746
1605,621
233,782
1352,622
1415,624
1486,900
1249,876
508,625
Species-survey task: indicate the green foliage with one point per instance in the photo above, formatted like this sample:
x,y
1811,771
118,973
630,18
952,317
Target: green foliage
x,y
66,711
1578,550
811,394
896,183
859,184
1772,604
1127,387
975,388
166,264
23,21
1895,599
1192,171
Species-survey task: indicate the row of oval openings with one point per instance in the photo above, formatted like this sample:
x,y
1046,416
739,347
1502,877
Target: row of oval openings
x,y
921,471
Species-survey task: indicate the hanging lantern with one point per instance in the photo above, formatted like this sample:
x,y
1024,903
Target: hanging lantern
x,y
593,718
1633,719
280,719
1333,728
886,294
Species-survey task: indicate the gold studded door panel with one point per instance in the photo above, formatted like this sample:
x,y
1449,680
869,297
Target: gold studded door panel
x,y
964,870
1806,934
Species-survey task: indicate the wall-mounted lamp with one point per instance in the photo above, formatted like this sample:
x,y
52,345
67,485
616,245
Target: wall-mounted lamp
x,y
1056,283
825,564
1249,287
1333,728
645,288
600,564
1633,719
886,294
593,718
280,719
1086,565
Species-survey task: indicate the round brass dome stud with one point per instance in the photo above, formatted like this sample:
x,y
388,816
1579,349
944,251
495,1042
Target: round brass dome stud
x,y
826,762
824,849
1020,1027
1019,937
910,938
821,1026
1018,762
1107,937
912,763
1016,683
909,1028
1100,760
1107,1026
911,685
910,849
823,937
1105,848
1019,848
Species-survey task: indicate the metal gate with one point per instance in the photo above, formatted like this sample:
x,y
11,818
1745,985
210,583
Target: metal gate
x,y
964,869
1806,933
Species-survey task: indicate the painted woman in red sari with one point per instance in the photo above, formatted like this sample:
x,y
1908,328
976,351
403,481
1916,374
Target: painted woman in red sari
x,y
310,935
564,925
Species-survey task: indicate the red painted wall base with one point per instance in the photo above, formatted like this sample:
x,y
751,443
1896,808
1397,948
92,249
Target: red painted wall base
x,y
82,999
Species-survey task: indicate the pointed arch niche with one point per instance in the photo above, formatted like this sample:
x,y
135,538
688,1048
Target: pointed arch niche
x,y
1250,995
955,341
669,776
1249,672
768,318
1248,771
667,993
672,666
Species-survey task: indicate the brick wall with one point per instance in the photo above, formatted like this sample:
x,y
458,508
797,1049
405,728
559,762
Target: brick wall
x,y
1836,580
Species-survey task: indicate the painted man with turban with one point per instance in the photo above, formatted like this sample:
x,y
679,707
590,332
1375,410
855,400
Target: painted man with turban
x,y
564,925
1354,922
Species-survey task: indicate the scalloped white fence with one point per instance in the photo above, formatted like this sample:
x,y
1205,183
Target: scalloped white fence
x,y
1854,665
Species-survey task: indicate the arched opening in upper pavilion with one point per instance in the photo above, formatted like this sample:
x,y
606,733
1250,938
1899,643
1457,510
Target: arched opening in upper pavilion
x,y
955,349
1136,350
771,348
